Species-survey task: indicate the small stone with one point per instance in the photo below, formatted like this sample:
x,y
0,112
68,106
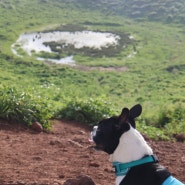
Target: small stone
x,y
37,127
84,156
80,180
7,137
108,170
94,164
183,159
71,182
85,180
61,176
82,132
179,137
37,158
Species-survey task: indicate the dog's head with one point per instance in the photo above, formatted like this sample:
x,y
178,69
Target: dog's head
x,y
108,132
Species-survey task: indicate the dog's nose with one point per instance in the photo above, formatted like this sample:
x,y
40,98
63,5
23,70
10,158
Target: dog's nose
x,y
93,133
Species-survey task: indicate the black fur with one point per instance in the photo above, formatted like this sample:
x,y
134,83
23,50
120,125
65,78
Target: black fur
x,y
146,174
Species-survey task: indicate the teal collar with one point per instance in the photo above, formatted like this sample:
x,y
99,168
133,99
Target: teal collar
x,y
123,168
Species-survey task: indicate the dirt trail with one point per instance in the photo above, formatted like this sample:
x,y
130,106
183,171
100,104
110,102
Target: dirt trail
x,y
29,158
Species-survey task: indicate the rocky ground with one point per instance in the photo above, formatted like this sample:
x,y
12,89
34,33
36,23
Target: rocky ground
x,y
31,158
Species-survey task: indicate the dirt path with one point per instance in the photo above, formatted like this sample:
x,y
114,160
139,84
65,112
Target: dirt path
x,y
28,158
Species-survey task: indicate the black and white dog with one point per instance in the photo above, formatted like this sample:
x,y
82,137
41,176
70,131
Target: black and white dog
x,y
132,158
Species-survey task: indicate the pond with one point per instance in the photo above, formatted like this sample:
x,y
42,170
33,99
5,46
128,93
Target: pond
x,y
37,42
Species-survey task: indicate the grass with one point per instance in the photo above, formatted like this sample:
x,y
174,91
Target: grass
x,y
155,75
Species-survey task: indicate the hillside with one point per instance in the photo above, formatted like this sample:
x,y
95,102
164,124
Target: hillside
x,y
151,10
162,11
149,70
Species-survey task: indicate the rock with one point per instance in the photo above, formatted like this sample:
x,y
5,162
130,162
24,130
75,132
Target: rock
x,y
61,176
80,180
179,137
71,182
85,180
94,164
37,158
37,127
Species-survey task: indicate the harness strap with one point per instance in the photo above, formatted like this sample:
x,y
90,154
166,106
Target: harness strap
x,y
123,168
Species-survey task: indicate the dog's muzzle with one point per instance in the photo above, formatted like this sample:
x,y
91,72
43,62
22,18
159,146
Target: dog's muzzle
x,y
93,133
92,136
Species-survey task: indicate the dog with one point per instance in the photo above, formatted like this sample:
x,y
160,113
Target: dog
x,y
131,156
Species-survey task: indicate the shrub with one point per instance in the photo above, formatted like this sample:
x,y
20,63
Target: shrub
x,y
168,123
88,111
173,114
23,107
153,132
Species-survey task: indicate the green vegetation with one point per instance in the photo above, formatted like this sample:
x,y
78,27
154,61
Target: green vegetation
x,y
89,111
24,107
34,90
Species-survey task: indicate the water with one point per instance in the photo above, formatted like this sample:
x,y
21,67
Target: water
x,y
34,42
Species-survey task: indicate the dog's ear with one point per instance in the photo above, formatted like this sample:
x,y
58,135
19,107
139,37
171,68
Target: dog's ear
x,y
123,120
135,111
124,115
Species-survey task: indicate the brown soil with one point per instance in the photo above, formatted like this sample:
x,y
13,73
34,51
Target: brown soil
x,y
30,158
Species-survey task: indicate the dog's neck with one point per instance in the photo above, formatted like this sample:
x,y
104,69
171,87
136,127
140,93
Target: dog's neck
x,y
131,147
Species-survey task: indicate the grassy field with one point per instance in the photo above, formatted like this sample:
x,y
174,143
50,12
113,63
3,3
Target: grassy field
x,y
154,76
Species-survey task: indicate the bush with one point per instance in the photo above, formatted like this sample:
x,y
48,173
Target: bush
x,y
173,120
23,107
167,123
153,132
173,114
89,111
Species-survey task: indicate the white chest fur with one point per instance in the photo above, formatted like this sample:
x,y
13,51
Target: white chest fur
x,y
131,147
119,179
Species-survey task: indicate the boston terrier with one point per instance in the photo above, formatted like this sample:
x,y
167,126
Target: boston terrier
x,y
131,156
